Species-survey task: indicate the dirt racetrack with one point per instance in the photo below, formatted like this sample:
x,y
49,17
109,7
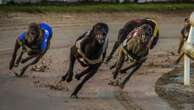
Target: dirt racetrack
x,y
170,87
33,90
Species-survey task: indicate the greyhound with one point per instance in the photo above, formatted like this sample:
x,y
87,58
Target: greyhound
x,y
129,26
135,48
89,50
35,42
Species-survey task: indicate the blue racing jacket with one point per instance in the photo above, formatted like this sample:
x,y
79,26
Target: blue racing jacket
x,y
46,35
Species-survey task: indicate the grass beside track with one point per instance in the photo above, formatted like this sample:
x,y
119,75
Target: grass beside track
x,y
95,7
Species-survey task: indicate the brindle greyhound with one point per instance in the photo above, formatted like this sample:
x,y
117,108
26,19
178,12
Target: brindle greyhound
x,y
184,35
136,48
129,26
89,50
35,42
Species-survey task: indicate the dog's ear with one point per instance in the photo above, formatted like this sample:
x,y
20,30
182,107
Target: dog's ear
x,y
92,31
99,26
186,19
94,28
104,26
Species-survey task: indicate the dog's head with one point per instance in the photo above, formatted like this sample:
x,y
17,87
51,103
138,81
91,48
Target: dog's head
x,y
100,31
33,33
187,24
148,30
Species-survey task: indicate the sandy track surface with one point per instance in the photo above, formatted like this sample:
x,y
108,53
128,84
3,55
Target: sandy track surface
x,y
33,91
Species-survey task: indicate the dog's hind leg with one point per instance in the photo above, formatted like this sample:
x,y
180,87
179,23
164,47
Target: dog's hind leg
x,y
79,75
69,74
93,70
137,66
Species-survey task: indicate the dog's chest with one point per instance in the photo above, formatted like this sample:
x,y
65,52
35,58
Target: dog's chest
x,y
93,52
135,50
139,50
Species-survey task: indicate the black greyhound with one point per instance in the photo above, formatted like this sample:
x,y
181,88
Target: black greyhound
x,y
129,26
89,50
135,48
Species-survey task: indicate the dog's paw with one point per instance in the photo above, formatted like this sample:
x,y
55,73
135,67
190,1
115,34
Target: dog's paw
x,y
121,86
74,96
63,78
17,72
77,77
18,75
113,83
69,79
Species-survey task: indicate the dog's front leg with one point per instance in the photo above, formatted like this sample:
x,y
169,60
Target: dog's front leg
x,y
119,64
179,58
136,67
28,58
78,76
93,70
19,59
69,74
182,41
124,70
32,63
12,62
